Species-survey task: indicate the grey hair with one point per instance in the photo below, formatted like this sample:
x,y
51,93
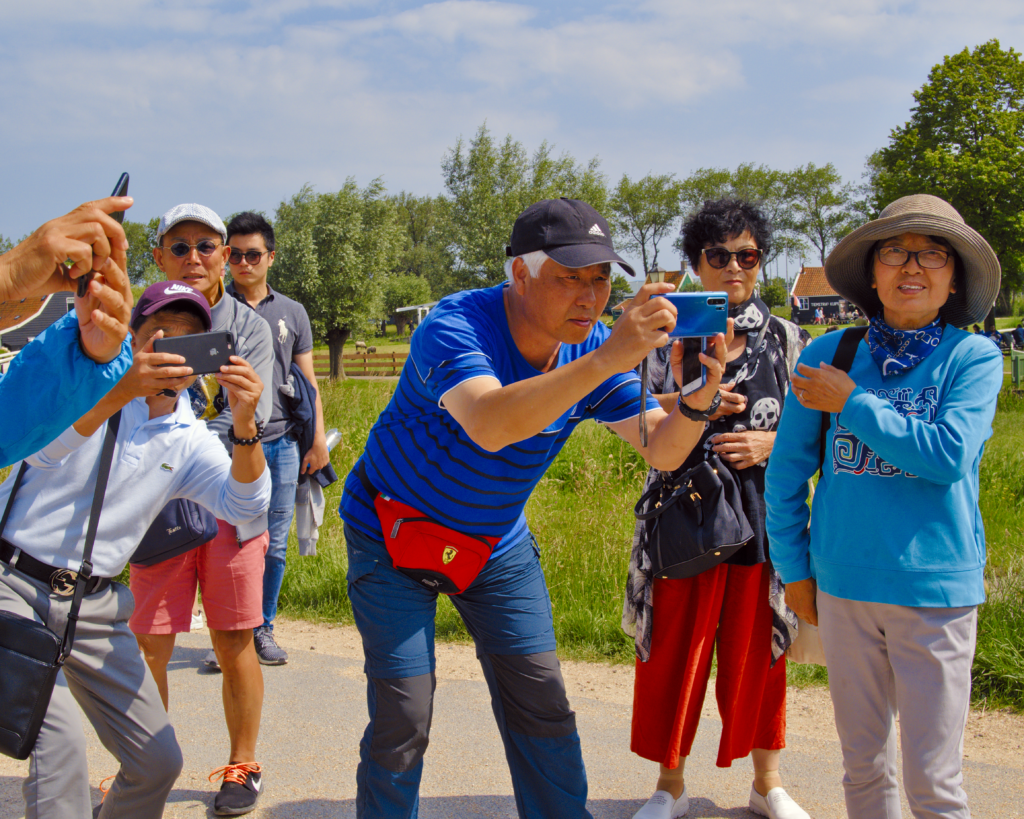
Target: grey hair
x,y
534,261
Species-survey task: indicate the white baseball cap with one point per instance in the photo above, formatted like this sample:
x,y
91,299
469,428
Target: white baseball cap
x,y
191,212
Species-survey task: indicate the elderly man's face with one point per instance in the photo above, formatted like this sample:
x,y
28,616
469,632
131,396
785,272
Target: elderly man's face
x,y
565,302
200,272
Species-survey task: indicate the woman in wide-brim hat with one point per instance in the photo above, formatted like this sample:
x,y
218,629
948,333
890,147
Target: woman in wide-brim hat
x,y
892,566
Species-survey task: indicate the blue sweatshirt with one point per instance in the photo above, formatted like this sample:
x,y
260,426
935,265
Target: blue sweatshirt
x,y
895,516
50,385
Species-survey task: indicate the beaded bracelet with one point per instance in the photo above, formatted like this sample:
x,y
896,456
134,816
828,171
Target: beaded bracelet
x,y
246,441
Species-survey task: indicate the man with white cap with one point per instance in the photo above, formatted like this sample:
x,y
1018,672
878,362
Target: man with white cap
x,y
192,248
496,381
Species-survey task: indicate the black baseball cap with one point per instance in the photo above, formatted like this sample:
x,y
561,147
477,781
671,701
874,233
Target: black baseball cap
x,y
569,230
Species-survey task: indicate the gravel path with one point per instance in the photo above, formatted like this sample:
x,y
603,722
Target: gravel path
x,y
315,712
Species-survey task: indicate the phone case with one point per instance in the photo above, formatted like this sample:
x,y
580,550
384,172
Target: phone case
x,y
691,386
203,352
700,314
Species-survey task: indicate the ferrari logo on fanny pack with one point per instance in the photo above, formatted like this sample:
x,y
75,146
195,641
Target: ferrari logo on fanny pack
x,y
63,582
448,555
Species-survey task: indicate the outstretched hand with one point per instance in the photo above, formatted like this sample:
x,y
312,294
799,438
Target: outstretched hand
x,y
87,237
713,360
104,312
152,373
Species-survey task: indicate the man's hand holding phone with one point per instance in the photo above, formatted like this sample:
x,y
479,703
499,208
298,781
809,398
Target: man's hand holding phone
x,y
713,359
644,325
243,388
153,373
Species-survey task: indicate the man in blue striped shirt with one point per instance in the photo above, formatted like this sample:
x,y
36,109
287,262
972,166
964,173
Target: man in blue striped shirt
x,y
495,383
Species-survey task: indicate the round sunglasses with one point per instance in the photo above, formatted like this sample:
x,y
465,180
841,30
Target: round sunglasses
x,y
204,247
250,256
718,257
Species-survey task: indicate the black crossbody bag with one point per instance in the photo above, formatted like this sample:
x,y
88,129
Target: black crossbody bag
x,y
31,654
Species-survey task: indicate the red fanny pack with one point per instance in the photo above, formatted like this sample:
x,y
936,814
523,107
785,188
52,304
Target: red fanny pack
x,y
438,558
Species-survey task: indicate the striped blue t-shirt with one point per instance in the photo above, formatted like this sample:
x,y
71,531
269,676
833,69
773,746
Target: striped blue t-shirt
x,y
418,454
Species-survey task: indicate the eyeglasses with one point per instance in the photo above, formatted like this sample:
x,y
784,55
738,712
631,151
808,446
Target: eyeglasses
x,y
899,256
250,256
204,248
719,257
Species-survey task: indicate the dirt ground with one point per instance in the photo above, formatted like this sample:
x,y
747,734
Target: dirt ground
x,y
992,737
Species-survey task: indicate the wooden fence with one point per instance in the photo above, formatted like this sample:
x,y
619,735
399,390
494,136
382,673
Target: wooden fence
x,y
380,364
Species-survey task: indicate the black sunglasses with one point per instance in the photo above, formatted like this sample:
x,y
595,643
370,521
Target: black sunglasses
x,y
718,257
205,247
251,256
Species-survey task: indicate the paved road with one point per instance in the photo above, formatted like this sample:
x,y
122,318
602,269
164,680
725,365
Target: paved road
x,y
315,712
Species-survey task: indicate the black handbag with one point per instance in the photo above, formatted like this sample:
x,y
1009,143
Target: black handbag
x,y
31,654
181,526
694,520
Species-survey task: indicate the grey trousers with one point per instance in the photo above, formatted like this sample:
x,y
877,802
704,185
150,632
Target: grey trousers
x,y
106,676
883,657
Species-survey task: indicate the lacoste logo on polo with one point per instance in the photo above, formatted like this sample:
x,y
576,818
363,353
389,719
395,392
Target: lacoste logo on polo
x,y
596,230
167,467
178,288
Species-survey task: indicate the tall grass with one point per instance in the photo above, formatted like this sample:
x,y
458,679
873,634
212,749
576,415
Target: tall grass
x,y
581,513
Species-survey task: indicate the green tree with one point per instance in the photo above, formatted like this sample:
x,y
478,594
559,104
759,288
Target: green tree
x,y
404,290
5,244
489,184
823,207
774,292
334,253
142,270
620,291
965,143
645,212
424,250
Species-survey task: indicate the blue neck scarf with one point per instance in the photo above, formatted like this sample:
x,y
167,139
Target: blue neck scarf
x,y
896,351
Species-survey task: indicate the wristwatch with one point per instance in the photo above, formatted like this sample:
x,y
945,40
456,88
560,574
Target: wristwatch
x,y
699,415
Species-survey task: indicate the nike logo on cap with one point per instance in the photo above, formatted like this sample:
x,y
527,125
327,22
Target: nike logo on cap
x,y
184,288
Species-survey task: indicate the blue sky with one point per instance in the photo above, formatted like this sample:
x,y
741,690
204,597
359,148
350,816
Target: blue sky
x,y
238,104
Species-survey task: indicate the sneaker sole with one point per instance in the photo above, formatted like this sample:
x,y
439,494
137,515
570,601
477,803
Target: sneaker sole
x,y
271,662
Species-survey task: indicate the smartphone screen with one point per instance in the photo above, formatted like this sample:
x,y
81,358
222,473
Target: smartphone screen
x,y
694,373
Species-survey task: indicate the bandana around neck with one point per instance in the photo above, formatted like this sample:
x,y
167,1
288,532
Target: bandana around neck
x,y
896,351
749,316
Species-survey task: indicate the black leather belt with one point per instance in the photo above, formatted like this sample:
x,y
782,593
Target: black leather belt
x,y
60,581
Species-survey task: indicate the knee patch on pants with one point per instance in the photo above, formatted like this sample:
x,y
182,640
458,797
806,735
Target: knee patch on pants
x,y
401,721
533,694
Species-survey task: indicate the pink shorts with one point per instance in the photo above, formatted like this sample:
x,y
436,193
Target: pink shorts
x,y
231,579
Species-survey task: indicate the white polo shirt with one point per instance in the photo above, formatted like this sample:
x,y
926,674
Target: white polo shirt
x,y
155,461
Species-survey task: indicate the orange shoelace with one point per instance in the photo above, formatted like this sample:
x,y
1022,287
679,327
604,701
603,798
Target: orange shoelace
x,y
236,773
104,781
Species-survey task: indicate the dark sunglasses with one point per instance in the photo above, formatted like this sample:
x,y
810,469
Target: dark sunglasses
x,y
250,256
718,257
204,248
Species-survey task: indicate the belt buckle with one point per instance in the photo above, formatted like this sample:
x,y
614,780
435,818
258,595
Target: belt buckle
x,y
63,582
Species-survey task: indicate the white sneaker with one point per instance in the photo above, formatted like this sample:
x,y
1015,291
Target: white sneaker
x,y
197,622
776,805
663,806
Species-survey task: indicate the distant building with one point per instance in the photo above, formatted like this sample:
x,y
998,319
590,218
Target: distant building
x,y
811,290
22,320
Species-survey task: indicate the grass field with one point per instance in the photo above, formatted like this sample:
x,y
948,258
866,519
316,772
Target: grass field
x,y
581,513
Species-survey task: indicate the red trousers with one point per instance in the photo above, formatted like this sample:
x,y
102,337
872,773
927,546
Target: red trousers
x,y
725,606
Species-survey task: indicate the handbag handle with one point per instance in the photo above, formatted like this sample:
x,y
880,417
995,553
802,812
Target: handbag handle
x,y
85,573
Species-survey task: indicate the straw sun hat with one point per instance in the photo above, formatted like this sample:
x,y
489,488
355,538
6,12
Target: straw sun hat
x,y
848,267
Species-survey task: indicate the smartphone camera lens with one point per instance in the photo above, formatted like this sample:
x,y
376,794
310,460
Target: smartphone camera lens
x,y
716,301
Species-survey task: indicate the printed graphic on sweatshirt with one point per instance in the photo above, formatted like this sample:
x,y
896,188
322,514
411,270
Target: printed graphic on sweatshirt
x,y
850,454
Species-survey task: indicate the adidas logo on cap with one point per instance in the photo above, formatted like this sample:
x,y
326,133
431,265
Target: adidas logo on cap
x,y
596,230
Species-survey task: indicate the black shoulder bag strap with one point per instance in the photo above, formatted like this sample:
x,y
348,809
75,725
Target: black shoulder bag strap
x,y
842,360
85,573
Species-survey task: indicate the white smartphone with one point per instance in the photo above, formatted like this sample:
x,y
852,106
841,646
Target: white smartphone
x,y
695,374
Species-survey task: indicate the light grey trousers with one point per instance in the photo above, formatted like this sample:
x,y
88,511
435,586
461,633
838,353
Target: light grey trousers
x,y
107,677
883,657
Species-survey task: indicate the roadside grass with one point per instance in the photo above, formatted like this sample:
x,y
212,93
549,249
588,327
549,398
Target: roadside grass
x,y
581,514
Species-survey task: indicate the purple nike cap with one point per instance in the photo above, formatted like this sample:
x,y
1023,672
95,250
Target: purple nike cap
x,y
160,295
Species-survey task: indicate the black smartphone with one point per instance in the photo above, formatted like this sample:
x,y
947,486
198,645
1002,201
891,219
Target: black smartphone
x,y
120,189
203,352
